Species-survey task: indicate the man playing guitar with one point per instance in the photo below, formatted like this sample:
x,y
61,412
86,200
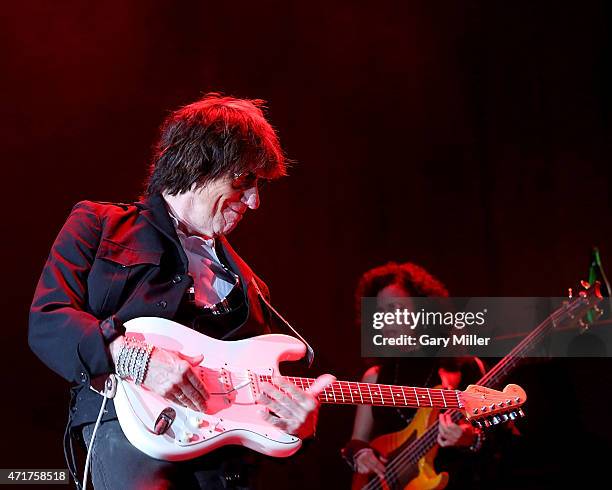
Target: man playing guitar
x,y
165,256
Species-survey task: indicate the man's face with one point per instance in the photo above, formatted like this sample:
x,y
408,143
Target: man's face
x,y
217,207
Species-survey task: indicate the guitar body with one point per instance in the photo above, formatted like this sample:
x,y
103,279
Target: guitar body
x,y
419,476
231,371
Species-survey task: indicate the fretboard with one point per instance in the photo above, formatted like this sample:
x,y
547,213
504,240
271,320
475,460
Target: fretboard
x,y
353,393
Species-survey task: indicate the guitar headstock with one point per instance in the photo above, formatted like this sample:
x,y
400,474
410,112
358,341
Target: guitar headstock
x,y
484,407
582,309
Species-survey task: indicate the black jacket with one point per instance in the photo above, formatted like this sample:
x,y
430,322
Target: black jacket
x,y
111,263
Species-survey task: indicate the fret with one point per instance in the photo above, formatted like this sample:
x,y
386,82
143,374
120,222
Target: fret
x,y
333,392
381,389
341,392
393,394
324,392
416,396
419,393
370,391
443,398
350,392
360,393
379,393
429,395
404,394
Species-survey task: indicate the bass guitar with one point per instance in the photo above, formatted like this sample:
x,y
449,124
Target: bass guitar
x,y
411,451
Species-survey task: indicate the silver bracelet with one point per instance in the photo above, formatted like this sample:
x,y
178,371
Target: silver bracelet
x,y
144,364
121,366
133,361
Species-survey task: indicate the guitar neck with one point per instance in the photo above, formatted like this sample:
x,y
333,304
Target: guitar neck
x,y
353,393
500,371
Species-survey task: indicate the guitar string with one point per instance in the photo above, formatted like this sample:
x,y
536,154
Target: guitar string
x,y
440,398
412,453
396,379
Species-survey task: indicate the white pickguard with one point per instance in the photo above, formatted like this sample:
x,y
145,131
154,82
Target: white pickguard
x,y
231,371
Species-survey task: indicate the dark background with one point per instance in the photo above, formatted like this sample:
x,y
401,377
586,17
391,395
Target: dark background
x,y
469,137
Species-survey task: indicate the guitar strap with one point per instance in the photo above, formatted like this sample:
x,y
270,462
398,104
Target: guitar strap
x,y
309,349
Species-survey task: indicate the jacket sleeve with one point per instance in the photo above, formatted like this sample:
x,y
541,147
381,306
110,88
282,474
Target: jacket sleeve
x,y
68,339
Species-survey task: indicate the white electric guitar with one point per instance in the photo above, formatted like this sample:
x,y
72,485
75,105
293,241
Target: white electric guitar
x,y
233,371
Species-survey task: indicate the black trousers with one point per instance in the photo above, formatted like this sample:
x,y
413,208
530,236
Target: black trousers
x,y
117,465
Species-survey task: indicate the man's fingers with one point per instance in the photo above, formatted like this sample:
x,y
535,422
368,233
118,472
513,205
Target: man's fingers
x,y
289,408
194,396
278,408
268,417
320,384
198,384
183,400
293,390
278,422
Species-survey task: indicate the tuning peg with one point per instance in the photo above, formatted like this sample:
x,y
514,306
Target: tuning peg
x,y
486,423
504,417
512,415
476,423
520,412
495,420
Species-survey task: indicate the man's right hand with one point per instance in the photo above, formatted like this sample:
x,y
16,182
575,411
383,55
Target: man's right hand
x,y
172,375
367,462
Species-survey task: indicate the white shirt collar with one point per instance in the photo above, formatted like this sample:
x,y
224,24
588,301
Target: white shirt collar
x,y
210,242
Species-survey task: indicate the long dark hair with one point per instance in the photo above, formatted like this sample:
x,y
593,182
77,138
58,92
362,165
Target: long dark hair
x,y
211,138
415,280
